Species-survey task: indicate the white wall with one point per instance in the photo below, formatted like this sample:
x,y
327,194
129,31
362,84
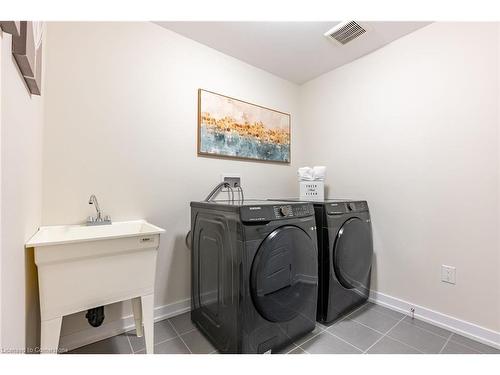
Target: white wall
x,y
21,189
413,128
1,41
121,122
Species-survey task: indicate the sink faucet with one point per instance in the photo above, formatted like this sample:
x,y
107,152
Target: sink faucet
x,y
98,220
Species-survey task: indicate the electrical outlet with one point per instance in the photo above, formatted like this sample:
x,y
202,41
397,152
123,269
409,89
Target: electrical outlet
x,y
448,274
234,180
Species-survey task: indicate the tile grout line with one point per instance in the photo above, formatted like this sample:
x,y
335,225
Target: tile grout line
x,y
129,343
291,350
327,327
177,333
157,343
383,335
392,338
402,321
445,343
427,330
347,342
310,338
470,347
373,329
449,337
401,342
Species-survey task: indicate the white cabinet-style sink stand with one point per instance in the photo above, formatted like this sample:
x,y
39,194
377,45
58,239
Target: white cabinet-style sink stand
x,y
81,267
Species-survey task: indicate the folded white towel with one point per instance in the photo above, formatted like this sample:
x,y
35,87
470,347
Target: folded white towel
x,y
305,174
317,173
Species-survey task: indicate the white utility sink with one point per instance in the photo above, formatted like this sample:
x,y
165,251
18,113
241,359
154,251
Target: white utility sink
x,y
81,267
65,234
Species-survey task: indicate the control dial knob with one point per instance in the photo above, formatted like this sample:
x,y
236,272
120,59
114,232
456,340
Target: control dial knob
x,y
286,211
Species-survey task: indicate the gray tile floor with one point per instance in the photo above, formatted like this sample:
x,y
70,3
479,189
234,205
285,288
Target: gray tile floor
x,y
370,329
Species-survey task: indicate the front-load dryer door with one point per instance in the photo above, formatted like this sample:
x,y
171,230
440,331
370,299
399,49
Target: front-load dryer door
x,y
283,277
352,254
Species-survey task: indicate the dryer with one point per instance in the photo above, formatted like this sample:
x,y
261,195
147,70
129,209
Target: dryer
x,y
345,252
345,256
254,273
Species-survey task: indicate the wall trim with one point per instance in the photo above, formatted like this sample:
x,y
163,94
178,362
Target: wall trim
x,y
117,327
462,327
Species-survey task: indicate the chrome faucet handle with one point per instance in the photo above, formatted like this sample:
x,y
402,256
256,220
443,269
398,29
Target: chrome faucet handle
x,y
98,219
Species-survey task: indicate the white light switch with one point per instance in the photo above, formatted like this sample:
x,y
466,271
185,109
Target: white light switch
x,y
448,274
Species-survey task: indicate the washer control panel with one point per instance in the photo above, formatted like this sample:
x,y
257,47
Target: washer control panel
x,y
276,211
283,211
336,208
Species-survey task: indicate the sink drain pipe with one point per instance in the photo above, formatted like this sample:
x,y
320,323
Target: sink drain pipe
x,y
95,316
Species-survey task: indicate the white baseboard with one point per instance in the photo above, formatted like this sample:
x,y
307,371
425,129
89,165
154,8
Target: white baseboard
x,y
116,327
470,330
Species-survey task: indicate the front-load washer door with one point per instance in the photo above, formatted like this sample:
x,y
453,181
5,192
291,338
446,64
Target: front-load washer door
x,y
352,253
283,277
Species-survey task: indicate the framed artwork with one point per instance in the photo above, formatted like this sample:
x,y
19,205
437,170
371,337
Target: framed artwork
x,y
233,128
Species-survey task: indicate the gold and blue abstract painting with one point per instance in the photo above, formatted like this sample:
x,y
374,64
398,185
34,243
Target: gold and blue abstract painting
x,y
229,127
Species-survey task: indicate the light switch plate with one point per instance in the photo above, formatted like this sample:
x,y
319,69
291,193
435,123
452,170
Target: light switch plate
x,y
448,274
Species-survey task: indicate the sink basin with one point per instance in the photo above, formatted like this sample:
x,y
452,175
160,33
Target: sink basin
x,y
65,234
82,267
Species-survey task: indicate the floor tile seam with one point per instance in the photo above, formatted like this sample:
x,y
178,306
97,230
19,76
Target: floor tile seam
x,y
428,331
185,333
469,347
373,329
394,319
177,333
343,318
401,342
425,329
383,335
130,344
156,343
347,342
445,343
353,311
291,350
310,338
388,315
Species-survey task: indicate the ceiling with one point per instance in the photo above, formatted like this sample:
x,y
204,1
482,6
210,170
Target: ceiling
x,y
295,51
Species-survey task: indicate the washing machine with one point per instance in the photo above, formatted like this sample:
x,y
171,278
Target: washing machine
x,y
345,252
254,273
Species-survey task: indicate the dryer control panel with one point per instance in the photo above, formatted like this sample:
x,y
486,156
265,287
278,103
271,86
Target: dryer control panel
x,y
337,208
276,211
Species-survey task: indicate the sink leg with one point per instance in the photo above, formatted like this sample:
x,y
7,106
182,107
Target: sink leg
x,y
137,309
147,316
50,331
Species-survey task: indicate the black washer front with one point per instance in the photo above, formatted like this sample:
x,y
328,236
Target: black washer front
x,y
283,277
352,253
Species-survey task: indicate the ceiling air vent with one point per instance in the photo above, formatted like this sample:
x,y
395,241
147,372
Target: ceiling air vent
x,y
345,32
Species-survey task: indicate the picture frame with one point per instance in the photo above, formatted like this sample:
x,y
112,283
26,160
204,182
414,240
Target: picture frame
x,y
236,129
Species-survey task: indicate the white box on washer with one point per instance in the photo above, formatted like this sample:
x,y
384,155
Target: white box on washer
x,y
312,190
